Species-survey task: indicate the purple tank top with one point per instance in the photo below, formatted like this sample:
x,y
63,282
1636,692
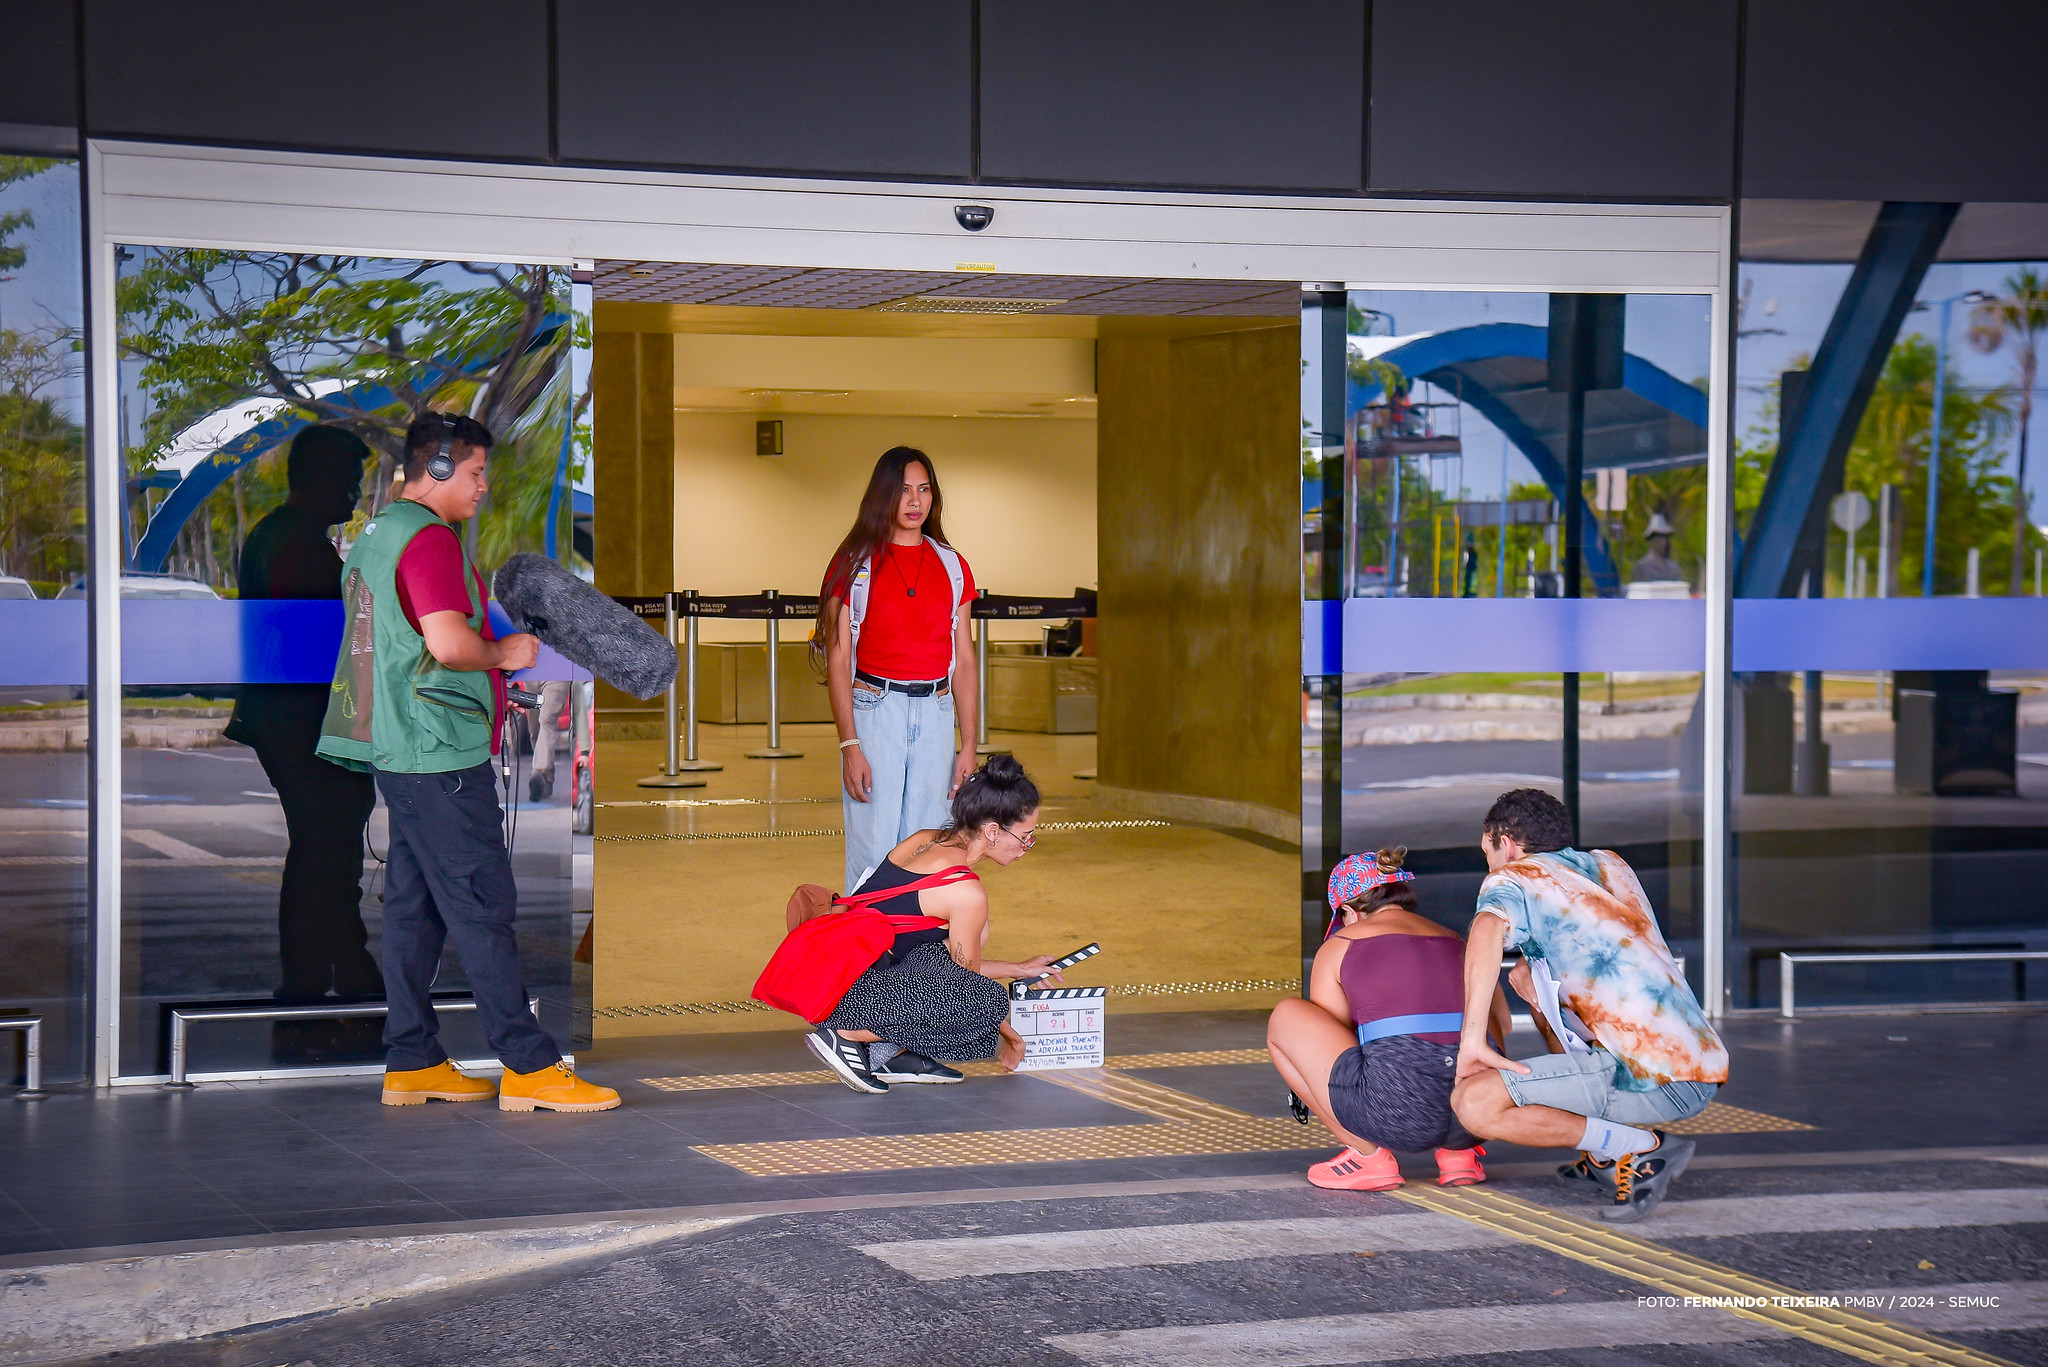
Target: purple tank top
x,y
1404,975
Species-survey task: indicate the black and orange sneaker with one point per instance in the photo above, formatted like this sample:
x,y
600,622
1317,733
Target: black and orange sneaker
x,y
1586,1171
1642,1181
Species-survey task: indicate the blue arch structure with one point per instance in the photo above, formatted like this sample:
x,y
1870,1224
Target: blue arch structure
x,y
1502,369
210,473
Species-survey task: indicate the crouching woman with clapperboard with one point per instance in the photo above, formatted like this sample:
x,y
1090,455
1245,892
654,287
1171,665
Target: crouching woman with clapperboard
x,y
892,977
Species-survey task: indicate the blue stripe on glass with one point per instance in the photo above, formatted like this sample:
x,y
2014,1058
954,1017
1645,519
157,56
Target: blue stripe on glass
x,y
196,641
1593,635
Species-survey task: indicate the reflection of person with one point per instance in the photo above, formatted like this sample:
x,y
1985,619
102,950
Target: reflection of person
x,y
419,699
554,696
1372,1050
899,661
1635,1050
933,996
321,940
1656,564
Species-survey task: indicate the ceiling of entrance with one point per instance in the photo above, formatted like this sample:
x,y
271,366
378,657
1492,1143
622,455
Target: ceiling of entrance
x,y
940,292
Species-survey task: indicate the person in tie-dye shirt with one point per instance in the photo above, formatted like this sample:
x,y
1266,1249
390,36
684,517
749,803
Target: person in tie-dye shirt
x,y
1631,1047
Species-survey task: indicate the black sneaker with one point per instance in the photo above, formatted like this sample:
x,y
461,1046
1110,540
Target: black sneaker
x,y
1642,1181
541,786
909,1067
1586,1172
1298,1108
848,1060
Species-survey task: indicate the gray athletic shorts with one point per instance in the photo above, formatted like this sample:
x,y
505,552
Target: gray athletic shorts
x,y
1584,1085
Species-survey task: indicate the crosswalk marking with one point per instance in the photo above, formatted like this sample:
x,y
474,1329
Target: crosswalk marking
x,y
1401,1335
1229,1241
1165,1245
1820,1212
1678,1274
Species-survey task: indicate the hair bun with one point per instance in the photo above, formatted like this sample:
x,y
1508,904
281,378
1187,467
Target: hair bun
x,y
1003,771
1389,860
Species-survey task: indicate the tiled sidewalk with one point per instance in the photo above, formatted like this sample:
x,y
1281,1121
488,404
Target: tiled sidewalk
x,y
227,1161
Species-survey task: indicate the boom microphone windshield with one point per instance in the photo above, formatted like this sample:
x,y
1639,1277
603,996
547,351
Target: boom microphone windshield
x,y
582,624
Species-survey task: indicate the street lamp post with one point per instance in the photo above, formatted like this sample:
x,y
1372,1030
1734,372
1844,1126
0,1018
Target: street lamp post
x,y
1934,437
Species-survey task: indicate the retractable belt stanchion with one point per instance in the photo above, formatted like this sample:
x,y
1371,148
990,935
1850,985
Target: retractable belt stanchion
x,y
981,745
690,763
774,749
988,606
672,775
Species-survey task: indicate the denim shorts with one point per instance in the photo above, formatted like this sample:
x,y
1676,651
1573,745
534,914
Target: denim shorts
x,y
1583,1084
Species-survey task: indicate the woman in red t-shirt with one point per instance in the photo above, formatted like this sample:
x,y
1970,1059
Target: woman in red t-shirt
x,y
898,650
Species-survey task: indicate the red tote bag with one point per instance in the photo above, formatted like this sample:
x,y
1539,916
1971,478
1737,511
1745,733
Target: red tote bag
x,y
811,969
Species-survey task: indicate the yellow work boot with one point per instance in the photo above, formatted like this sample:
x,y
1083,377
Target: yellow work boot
x,y
553,1088
442,1082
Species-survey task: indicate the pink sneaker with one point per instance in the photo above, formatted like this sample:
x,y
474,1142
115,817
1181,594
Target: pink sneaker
x,y
1355,1171
1460,1167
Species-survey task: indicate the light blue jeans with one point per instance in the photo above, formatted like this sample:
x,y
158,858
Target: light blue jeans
x,y
908,743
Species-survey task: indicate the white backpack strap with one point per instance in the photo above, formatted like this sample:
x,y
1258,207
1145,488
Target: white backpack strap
x,y
957,577
857,608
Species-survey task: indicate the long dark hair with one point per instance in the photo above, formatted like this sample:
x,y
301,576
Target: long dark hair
x,y
872,527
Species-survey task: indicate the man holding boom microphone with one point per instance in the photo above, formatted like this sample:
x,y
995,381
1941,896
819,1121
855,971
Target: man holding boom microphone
x,y
419,700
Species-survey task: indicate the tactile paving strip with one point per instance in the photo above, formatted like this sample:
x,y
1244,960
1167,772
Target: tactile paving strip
x,y
1719,1119
1193,1059
1679,1274
1068,1144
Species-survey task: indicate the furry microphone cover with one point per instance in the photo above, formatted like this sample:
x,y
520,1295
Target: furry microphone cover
x,y
583,625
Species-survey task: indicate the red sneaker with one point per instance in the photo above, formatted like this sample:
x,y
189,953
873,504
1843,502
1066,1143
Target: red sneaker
x,y
1355,1171
1460,1167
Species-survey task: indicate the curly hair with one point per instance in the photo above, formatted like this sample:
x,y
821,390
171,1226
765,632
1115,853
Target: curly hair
x,y
1531,818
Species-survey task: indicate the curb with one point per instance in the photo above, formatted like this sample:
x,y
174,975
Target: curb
x,y
62,1311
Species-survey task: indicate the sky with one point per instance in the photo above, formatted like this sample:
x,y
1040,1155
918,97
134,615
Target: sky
x,y
1799,300
1672,331
47,290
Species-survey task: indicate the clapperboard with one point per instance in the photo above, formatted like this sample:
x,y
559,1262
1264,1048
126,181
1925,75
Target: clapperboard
x,y
1061,1027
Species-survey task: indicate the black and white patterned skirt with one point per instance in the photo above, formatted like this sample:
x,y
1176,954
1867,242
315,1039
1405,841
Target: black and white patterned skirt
x,y
926,1003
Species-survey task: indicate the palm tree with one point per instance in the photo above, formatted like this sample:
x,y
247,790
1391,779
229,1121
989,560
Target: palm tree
x,y
2015,320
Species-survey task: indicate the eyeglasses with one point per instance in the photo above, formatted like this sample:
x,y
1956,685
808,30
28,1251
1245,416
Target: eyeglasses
x,y
1023,841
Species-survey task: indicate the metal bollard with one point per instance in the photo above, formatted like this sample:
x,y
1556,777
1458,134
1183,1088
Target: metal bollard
x,y
31,1028
691,764
981,745
774,750
672,775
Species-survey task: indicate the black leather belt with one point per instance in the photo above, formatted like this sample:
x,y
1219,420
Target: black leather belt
x,y
915,690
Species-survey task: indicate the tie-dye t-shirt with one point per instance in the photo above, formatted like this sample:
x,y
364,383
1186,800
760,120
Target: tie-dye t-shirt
x,y
1585,915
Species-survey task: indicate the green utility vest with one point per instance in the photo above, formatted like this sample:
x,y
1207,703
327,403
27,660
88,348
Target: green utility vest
x,y
394,706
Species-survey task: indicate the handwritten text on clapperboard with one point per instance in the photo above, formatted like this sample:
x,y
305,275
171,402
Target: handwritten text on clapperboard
x,y
1061,1027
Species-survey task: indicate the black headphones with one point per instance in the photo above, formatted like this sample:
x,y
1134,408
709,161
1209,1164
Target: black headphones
x,y
441,465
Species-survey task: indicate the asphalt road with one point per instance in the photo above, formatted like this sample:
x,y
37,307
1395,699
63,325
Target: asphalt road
x,y
1285,1276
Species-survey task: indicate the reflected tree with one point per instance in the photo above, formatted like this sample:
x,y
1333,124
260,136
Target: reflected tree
x,y
365,344
2014,321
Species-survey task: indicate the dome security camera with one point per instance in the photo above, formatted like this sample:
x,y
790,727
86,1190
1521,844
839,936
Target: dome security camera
x,y
973,217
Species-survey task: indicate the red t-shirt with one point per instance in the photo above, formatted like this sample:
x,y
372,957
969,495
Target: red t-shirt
x,y
430,580
905,636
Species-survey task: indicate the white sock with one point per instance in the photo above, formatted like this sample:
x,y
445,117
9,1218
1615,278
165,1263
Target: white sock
x,y
1608,1141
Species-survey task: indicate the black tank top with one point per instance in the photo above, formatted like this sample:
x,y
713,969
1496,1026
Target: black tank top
x,y
889,874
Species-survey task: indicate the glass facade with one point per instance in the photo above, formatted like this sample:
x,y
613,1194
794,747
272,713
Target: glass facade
x,y
229,888
1468,659
1891,759
44,918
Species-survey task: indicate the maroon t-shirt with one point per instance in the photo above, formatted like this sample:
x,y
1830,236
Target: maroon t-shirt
x,y
430,580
